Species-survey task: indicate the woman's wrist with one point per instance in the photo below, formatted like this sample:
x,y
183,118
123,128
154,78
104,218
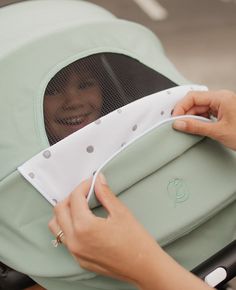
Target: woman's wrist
x,y
160,271
145,276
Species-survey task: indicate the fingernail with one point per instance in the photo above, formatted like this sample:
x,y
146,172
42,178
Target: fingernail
x,y
180,125
102,179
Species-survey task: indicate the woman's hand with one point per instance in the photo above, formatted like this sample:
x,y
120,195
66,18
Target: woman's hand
x,y
117,245
220,104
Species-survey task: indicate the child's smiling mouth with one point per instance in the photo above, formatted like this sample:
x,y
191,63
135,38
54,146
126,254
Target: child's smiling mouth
x,y
79,120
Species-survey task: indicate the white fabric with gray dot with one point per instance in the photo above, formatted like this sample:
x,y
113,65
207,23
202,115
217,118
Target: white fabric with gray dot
x,y
57,170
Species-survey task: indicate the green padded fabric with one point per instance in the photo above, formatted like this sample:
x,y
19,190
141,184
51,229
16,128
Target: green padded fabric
x,y
182,185
30,63
45,40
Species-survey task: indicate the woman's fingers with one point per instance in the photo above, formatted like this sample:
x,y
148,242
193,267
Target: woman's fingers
x,y
193,126
106,197
200,110
221,104
62,220
55,228
197,99
78,202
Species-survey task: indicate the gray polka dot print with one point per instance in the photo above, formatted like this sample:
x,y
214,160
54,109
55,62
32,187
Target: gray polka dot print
x,y
47,154
90,149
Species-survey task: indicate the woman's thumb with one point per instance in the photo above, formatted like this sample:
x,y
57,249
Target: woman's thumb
x,y
103,193
195,127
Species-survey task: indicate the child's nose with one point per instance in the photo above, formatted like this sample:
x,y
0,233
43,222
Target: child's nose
x,y
73,96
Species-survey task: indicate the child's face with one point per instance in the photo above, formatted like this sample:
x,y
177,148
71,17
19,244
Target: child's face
x,y
72,105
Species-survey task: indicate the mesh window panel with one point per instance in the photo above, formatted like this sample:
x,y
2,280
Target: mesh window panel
x,y
94,86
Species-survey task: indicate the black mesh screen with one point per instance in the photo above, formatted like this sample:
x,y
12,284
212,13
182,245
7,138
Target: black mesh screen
x,y
94,86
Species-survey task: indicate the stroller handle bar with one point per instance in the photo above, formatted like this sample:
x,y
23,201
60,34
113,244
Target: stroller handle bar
x,y
219,268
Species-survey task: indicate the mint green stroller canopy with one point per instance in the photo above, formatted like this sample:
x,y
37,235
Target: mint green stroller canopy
x,y
43,42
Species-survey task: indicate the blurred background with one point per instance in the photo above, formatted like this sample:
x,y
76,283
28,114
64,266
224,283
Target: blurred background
x,y
199,37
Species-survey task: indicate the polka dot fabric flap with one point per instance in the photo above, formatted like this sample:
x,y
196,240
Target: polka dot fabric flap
x,y
56,171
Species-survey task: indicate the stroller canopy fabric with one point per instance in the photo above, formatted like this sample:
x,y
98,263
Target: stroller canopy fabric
x,y
43,41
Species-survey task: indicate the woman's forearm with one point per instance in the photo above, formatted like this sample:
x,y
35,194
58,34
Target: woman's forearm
x,y
160,272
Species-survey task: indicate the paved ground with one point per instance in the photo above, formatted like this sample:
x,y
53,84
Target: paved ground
x,y
199,36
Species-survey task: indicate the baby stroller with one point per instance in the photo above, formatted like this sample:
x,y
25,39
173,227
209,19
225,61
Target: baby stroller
x,y
70,48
